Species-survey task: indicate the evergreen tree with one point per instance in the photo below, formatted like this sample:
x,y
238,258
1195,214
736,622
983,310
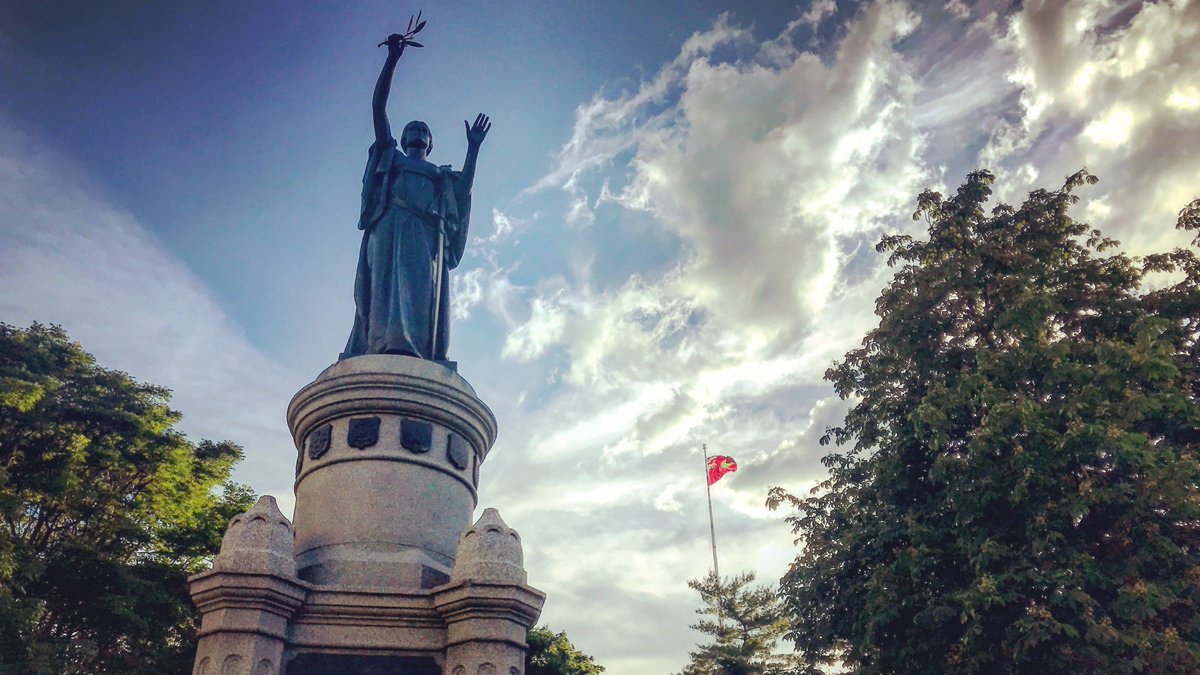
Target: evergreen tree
x,y
1020,494
747,622
105,509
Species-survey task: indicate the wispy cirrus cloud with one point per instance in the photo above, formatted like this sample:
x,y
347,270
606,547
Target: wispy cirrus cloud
x,y
68,256
607,126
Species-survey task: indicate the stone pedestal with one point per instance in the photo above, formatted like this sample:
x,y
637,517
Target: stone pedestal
x,y
390,455
383,572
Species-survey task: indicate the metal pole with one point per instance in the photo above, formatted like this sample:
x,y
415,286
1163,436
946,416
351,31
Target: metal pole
x,y
712,532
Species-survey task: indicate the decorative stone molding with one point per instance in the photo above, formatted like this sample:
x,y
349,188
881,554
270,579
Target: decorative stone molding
x,y
393,385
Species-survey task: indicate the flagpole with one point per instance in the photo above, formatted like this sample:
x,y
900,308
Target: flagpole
x,y
712,530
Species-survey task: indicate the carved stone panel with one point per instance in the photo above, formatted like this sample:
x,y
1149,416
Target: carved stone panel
x,y
458,451
324,664
416,436
318,441
363,432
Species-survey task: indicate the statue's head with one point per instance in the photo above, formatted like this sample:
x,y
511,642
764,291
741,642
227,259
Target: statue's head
x,y
417,132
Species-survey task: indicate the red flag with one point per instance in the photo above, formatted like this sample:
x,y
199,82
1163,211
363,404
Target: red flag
x,y
719,465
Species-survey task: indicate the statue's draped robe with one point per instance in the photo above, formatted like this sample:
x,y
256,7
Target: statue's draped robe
x,y
404,202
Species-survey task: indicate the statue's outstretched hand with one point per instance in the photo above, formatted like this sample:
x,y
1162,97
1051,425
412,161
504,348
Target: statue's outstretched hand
x,y
478,131
395,44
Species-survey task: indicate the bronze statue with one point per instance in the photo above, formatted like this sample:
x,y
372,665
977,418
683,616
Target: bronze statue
x,y
414,221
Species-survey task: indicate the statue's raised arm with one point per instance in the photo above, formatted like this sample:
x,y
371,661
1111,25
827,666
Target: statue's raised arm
x,y
383,130
396,42
475,134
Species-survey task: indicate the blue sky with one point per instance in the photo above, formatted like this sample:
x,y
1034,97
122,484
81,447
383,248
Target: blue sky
x,y
672,236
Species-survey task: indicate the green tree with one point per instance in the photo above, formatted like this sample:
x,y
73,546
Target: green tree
x,y
1020,494
552,653
748,622
104,511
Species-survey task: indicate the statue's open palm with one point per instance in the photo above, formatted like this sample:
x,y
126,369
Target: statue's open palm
x,y
478,131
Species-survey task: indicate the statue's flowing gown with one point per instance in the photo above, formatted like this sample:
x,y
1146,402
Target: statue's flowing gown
x,y
404,203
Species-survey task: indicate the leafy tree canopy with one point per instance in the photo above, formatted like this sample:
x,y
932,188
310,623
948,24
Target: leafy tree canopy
x,y
746,622
1020,494
104,510
552,653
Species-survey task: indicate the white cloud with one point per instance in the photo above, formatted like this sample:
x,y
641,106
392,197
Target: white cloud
x,y
1112,129
502,227
1184,98
531,339
580,214
770,170
591,147
466,292
1109,86
766,166
819,11
69,257
958,8
667,500
763,172
484,281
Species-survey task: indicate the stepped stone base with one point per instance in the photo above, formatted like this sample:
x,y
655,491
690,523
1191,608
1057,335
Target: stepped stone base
x,y
383,572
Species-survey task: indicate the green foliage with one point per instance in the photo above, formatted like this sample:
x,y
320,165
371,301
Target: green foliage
x,y
104,511
749,621
552,653
1021,491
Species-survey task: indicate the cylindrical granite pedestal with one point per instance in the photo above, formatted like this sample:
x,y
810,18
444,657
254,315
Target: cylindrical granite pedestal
x,y
390,448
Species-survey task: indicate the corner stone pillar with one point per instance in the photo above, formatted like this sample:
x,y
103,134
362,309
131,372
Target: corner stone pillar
x,y
248,597
488,607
